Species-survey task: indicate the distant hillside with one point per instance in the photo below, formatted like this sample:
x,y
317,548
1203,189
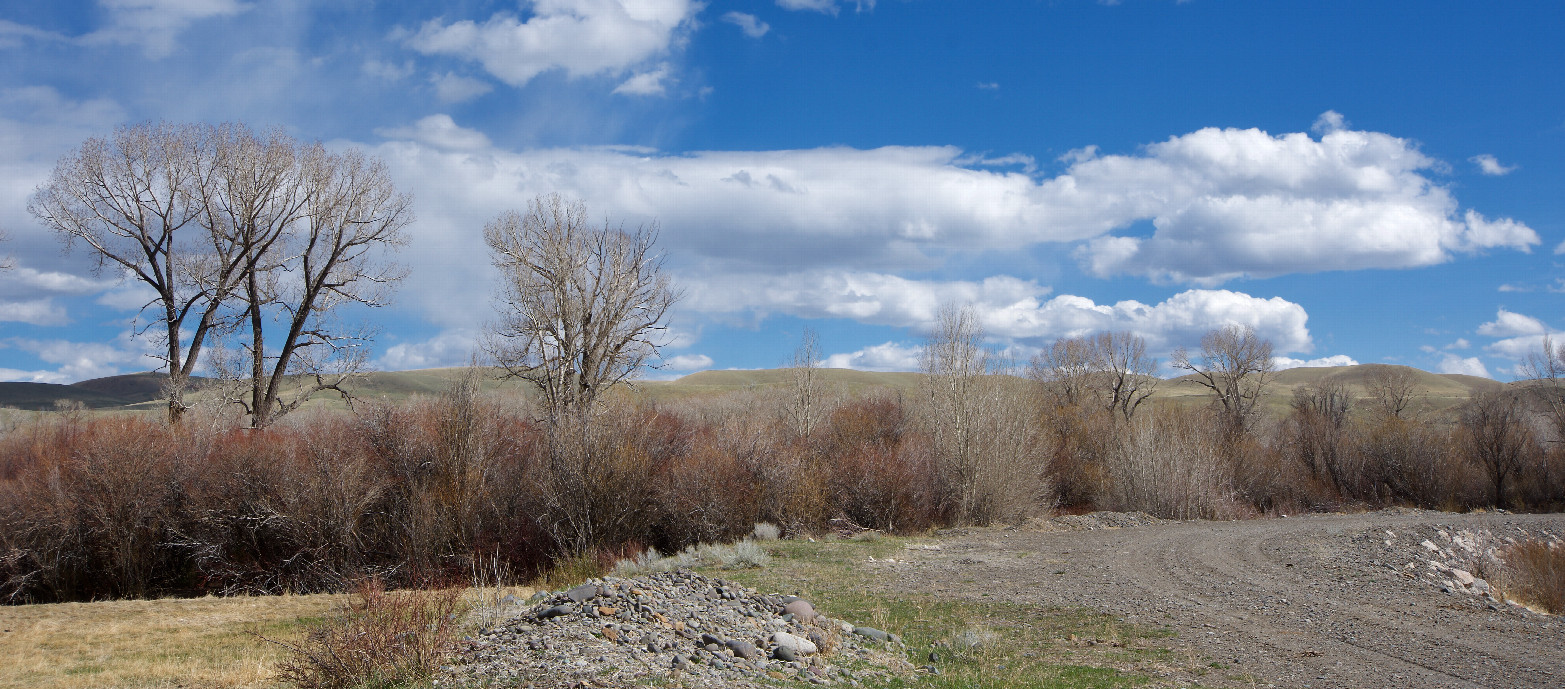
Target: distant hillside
x,y
141,390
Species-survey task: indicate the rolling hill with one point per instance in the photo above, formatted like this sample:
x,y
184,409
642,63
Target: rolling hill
x,y
142,390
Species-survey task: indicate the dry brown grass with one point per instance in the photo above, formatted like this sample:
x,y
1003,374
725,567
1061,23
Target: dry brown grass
x,y
145,644
152,643
1534,574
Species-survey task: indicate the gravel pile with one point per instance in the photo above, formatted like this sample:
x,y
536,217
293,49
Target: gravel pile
x,y
1454,559
1095,520
681,626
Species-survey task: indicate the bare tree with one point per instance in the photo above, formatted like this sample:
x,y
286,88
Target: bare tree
x,y
343,213
954,362
6,262
805,406
1497,437
1109,370
1392,387
579,306
138,200
1235,365
1546,368
1129,374
1065,371
1320,413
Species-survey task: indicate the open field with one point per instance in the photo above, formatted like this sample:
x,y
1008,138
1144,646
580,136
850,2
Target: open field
x,y
140,391
1318,601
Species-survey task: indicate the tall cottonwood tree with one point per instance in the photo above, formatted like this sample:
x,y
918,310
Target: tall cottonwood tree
x,y
580,305
1110,370
1545,366
138,200
1235,365
234,232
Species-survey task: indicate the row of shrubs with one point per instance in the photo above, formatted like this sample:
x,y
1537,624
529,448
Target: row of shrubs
x,y
440,489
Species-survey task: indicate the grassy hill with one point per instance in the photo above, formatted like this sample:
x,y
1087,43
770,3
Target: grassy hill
x,y
142,390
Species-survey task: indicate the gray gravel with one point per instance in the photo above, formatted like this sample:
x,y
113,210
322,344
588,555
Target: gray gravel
x,y
1312,601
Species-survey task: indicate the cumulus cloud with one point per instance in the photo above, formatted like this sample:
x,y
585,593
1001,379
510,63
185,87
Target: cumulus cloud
x,y
648,83
78,360
989,86
1489,165
1510,323
33,311
1224,203
1469,366
439,131
454,88
155,25
890,356
748,23
1009,308
580,37
1282,362
688,362
447,349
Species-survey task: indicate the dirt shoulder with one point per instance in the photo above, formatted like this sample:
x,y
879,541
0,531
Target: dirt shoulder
x,y
1312,601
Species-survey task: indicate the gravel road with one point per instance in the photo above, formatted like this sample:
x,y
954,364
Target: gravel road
x,y
1311,601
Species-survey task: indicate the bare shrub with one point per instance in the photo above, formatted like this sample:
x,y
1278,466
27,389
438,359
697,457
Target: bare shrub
x,y
379,639
1533,572
1315,434
765,531
1169,465
883,475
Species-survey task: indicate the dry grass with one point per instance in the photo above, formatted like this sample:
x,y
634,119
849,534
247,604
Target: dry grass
x,y
190,642
1534,574
152,643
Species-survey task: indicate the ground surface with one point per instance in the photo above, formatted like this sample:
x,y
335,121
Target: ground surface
x,y
1312,601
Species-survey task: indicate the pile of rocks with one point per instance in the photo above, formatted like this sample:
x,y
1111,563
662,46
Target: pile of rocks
x,y
1094,521
682,626
1449,558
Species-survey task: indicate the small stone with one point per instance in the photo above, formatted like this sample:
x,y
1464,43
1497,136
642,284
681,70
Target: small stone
x,y
583,593
1462,577
872,633
680,662
742,649
799,645
611,634
557,611
608,612
1430,546
710,640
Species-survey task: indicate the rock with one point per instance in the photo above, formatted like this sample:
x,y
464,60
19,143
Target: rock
x,y
872,633
680,662
556,611
1430,546
786,654
800,609
583,593
611,634
710,640
742,649
1462,577
800,645
1480,586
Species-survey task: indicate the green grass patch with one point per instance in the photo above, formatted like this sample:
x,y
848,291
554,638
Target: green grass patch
x,y
971,643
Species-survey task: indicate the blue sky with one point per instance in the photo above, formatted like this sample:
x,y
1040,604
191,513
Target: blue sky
x,y
1359,181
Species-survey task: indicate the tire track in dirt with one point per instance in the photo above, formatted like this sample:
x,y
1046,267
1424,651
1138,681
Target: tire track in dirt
x,y
1314,601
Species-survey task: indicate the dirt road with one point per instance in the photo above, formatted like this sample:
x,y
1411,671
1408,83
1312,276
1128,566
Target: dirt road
x,y
1312,601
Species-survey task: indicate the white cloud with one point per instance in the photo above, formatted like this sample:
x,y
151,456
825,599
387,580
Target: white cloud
x,y
1222,203
824,6
752,27
1510,323
155,25
33,311
645,84
14,35
1009,308
1228,202
1489,165
1283,363
79,360
1519,347
688,362
989,85
1460,343
1470,366
439,131
581,37
1328,122
450,348
1559,250
454,88
890,356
